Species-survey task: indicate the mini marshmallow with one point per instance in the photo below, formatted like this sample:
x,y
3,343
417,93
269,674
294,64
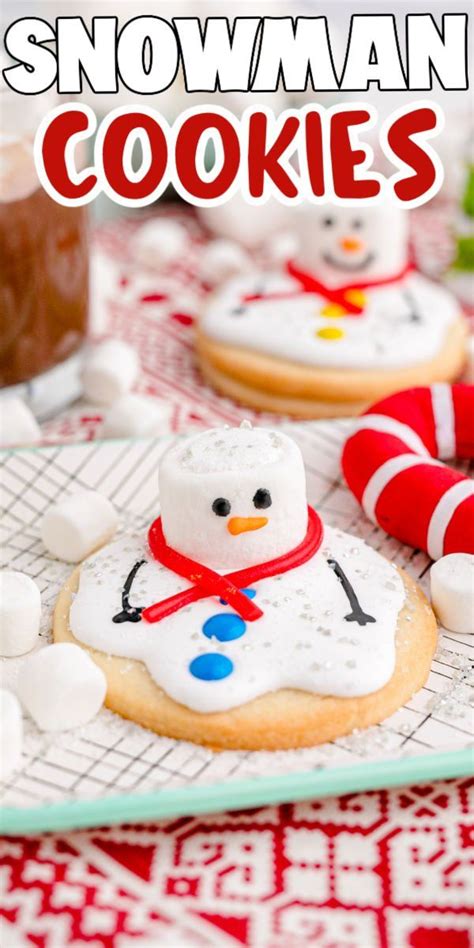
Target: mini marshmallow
x,y
110,370
11,733
281,248
452,592
222,259
135,416
18,425
76,526
20,613
61,687
233,497
248,224
160,242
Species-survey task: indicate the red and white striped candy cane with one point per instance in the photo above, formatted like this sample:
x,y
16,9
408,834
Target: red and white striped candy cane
x,y
393,464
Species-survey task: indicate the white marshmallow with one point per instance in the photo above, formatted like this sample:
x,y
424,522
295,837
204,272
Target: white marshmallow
x,y
136,416
18,425
110,370
232,465
20,613
222,259
61,687
11,733
249,224
346,244
452,591
281,248
76,526
160,242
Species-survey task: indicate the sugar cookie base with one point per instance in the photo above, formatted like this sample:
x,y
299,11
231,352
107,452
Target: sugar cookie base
x,y
270,384
279,720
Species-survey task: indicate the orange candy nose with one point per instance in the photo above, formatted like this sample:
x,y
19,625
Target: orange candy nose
x,y
351,244
243,524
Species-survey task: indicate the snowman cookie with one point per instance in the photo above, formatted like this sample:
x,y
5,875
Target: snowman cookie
x,y
346,323
240,620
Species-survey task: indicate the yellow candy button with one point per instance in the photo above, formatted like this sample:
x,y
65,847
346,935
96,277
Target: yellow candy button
x,y
333,310
330,332
357,297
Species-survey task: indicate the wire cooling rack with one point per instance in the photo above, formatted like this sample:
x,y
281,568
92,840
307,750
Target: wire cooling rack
x,y
112,770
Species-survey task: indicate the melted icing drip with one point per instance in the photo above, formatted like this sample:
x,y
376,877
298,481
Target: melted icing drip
x,y
301,641
413,316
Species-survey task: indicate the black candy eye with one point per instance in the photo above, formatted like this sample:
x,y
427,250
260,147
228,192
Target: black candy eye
x,y
221,507
262,499
328,221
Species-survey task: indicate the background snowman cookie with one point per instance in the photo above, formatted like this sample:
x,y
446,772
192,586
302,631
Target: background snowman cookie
x,y
346,323
241,621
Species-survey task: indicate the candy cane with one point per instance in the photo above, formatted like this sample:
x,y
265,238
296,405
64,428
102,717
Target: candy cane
x,y
392,462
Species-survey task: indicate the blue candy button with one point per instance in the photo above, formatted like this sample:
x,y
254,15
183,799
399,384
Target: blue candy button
x,y
250,593
224,627
211,667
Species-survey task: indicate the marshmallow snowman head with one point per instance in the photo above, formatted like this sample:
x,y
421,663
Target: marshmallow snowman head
x,y
235,497
345,244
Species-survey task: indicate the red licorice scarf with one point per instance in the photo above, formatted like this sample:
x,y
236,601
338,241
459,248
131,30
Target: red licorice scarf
x,y
207,583
310,284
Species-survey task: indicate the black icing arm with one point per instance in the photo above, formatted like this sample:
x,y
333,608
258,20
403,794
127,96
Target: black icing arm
x,y
357,615
414,315
129,613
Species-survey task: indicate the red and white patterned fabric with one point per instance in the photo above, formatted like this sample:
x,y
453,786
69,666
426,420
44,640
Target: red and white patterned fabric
x,y
387,869
392,463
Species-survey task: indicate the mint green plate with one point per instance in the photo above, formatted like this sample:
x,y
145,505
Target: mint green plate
x,y
236,795
114,771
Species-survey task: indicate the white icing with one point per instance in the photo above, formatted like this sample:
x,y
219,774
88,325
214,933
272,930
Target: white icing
x,y
232,465
302,641
383,337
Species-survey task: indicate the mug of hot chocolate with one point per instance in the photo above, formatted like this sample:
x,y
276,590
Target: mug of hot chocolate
x,y
44,273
